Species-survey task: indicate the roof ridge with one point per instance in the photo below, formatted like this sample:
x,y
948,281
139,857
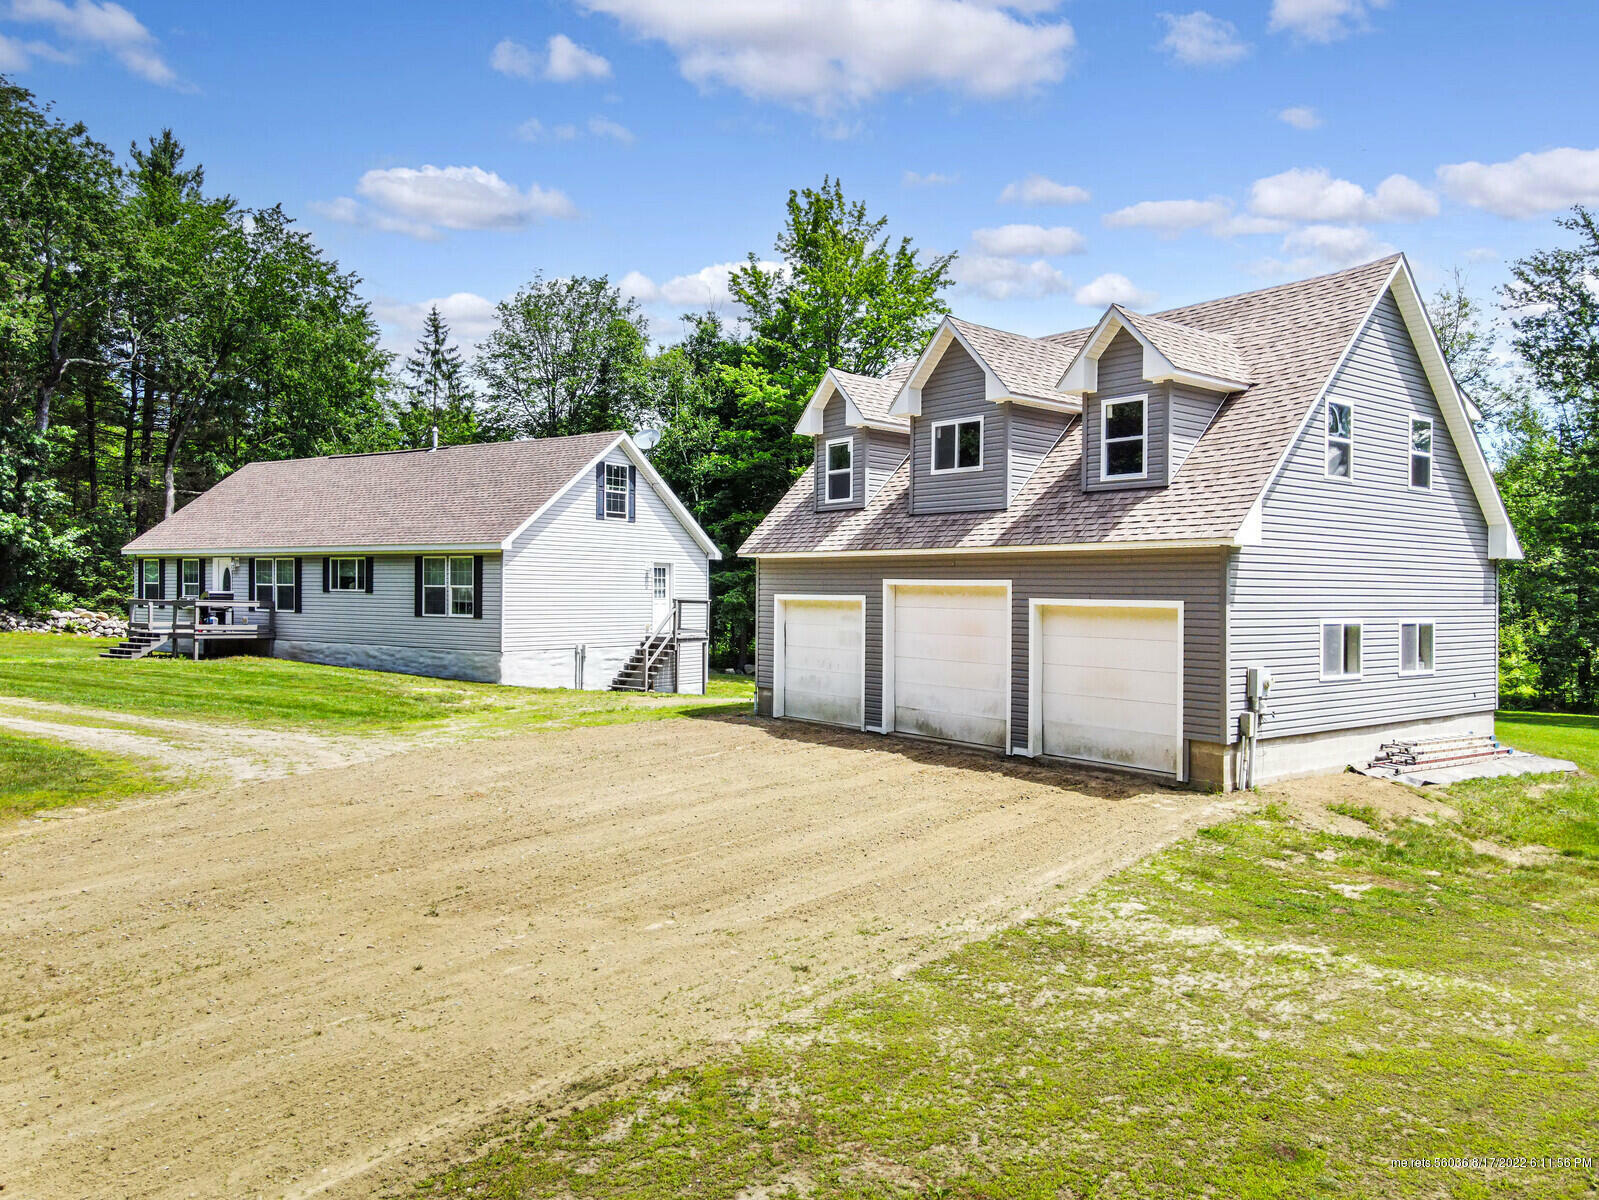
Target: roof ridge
x,y
306,458
1026,337
1280,287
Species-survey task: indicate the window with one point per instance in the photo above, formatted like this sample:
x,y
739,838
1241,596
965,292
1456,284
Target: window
x,y
658,582
1420,452
191,578
958,445
347,574
1415,647
1340,439
447,586
1123,432
615,491
150,579
274,583
1340,650
840,469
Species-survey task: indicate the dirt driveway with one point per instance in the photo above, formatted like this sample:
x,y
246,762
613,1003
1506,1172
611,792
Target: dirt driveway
x,y
318,984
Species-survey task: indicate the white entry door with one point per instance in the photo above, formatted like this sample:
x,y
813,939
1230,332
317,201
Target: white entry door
x,y
950,661
818,646
1108,683
660,594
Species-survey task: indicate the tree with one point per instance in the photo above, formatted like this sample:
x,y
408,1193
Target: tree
x,y
1467,337
434,383
566,356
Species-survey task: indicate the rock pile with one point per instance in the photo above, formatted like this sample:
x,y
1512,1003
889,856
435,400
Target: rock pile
x,y
66,620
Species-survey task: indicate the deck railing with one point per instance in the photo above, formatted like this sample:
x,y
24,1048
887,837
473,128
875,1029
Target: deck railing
x,y
237,617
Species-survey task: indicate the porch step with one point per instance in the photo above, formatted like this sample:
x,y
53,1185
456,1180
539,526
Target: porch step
x,y
138,644
632,676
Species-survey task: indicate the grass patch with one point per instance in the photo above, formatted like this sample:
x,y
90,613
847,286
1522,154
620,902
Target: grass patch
x,y
1572,736
1261,1011
38,774
247,689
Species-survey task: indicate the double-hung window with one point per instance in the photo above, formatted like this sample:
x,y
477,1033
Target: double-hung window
x,y
615,492
958,445
840,469
150,579
1340,650
347,574
1123,436
447,587
1420,452
1340,439
191,579
1415,647
274,583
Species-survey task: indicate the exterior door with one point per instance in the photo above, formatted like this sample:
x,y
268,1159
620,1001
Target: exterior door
x,y
660,594
819,658
950,658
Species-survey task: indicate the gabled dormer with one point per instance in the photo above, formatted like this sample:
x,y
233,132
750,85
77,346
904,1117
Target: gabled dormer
x,y
1149,388
858,444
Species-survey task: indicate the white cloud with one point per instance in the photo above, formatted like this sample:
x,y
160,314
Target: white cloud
x,y
1335,245
419,201
1201,40
535,130
1018,241
1039,190
1525,186
1304,194
827,55
562,61
1322,20
1482,254
604,127
106,25
706,288
1112,288
930,179
1169,217
1300,116
1008,278
469,316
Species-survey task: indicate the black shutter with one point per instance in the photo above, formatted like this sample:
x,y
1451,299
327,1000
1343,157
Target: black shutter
x,y
161,588
368,574
297,588
419,585
477,585
252,596
632,486
325,561
599,491
202,577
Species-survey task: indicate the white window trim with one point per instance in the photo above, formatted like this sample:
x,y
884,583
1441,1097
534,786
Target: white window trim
x,y
145,582
610,491
828,472
333,573
1327,439
1425,671
1410,462
1104,442
447,586
274,560
1321,641
932,446
183,584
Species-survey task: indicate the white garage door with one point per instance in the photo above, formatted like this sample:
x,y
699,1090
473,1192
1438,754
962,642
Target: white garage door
x,y
821,659
951,660
1110,684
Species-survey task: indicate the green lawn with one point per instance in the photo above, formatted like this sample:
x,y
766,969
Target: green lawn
x,y
37,774
1262,1011
1572,736
269,691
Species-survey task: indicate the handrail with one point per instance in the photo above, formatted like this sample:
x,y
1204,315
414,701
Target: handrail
x,y
652,655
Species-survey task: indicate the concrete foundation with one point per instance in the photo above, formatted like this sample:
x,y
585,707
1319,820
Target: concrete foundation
x,y
477,666
1320,753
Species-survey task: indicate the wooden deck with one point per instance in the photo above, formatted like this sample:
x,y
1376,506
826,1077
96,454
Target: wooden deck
x,y
164,626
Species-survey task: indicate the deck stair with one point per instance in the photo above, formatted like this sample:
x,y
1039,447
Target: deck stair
x,y
652,658
1403,758
138,644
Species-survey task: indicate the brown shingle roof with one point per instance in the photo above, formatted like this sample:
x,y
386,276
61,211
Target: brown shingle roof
x,y
1288,337
873,394
1026,366
1191,349
453,496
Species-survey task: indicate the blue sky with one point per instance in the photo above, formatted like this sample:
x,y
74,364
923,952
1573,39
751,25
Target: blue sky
x,y
1073,153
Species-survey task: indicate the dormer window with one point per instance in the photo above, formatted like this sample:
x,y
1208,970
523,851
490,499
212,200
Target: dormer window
x,y
958,445
1124,434
840,469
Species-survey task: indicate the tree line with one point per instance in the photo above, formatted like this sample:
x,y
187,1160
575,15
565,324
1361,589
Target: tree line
x,y
155,337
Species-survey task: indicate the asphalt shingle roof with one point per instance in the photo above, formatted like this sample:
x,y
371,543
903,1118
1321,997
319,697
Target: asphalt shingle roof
x,y
453,496
1026,366
873,394
1191,349
1288,339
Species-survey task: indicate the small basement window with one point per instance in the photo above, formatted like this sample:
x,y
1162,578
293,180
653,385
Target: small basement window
x,y
1340,439
840,469
958,445
616,491
1340,650
191,578
1420,452
1124,432
1415,648
150,579
347,574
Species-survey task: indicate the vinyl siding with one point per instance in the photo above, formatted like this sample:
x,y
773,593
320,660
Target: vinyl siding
x,y
1033,432
955,389
885,452
571,579
833,428
1194,577
1189,413
1368,549
1121,373
386,616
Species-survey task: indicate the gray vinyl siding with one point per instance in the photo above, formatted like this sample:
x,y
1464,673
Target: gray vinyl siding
x,y
833,428
1192,576
1121,373
387,615
1033,432
885,453
955,389
1368,549
1190,412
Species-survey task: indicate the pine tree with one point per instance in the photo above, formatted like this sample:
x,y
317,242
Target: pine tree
x,y
437,397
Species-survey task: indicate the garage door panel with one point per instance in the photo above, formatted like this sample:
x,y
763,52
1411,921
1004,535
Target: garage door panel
x,y
1139,716
1110,684
950,727
1108,653
822,643
951,649
1115,747
948,622
917,672
951,698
